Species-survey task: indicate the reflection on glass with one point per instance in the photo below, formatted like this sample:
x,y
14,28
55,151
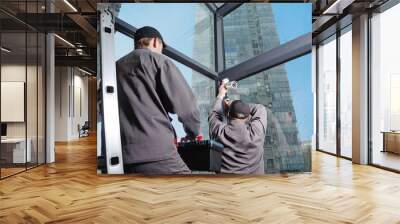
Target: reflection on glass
x,y
286,92
253,28
14,146
385,85
22,90
327,95
41,99
182,27
346,93
31,98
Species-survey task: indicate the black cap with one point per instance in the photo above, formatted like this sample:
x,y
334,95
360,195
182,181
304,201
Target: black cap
x,y
239,109
148,31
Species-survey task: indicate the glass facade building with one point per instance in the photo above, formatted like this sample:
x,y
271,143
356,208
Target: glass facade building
x,y
283,148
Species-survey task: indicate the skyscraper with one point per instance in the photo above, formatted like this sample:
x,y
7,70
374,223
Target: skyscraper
x,y
203,51
249,31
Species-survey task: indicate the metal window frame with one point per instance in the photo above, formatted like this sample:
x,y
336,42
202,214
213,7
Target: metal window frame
x,y
32,30
385,6
288,51
318,43
212,7
219,43
389,4
369,97
227,8
338,76
317,97
129,30
339,26
272,58
337,30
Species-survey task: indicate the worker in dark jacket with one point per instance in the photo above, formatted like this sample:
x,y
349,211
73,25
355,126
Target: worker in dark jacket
x,y
149,87
242,131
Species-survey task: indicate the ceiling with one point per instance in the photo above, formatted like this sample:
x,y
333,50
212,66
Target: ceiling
x,y
75,21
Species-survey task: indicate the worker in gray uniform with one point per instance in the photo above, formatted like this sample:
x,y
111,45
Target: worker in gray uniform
x,y
150,87
241,128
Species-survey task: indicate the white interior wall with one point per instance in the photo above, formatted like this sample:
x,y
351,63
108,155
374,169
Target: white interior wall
x,y
61,103
79,117
70,83
33,126
14,73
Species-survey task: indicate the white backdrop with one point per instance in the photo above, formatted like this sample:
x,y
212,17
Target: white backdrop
x,y
12,101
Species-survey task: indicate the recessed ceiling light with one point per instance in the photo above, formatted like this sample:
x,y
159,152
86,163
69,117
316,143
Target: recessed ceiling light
x,y
5,50
338,6
84,71
70,5
64,40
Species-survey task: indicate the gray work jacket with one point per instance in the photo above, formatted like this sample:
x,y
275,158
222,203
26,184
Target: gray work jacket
x,y
243,142
149,87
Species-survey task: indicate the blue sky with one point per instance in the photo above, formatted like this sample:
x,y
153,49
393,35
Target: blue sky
x,y
176,23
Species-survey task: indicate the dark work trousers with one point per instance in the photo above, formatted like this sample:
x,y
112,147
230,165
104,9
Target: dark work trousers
x,y
173,165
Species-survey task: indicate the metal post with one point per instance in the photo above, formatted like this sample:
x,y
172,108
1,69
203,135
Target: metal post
x,y
369,90
360,90
317,97
338,77
50,93
110,109
219,43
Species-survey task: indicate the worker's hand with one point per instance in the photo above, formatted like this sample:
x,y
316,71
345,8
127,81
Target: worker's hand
x,y
188,138
226,102
222,91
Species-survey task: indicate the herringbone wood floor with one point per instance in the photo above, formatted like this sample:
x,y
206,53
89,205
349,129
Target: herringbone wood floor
x,y
70,191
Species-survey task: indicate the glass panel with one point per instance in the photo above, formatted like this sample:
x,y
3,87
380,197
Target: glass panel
x,y
253,29
286,92
385,84
204,91
31,98
41,98
188,28
32,90
346,93
327,95
13,87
